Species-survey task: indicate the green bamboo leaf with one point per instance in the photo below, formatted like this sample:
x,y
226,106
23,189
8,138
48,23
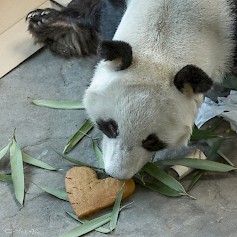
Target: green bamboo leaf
x,y
84,228
164,178
200,134
195,179
60,194
88,226
74,216
98,154
78,163
230,82
53,104
74,161
116,209
38,163
5,177
163,189
17,172
3,152
220,153
199,164
100,229
83,130
214,147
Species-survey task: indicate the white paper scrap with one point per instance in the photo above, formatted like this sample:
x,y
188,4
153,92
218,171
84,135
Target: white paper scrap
x,y
226,107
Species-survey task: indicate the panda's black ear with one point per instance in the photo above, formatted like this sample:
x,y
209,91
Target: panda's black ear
x,y
111,50
191,79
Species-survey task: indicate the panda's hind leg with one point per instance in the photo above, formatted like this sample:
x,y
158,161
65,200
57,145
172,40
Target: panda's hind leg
x,y
71,31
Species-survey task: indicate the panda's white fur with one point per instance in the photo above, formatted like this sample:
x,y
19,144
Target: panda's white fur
x,y
165,36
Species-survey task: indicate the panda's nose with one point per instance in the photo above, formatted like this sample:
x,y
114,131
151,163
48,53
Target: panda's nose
x,y
119,173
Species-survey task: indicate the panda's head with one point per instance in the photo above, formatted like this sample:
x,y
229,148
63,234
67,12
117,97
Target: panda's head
x,y
143,108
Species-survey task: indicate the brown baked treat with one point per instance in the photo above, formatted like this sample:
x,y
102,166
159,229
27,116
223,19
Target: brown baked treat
x,y
88,194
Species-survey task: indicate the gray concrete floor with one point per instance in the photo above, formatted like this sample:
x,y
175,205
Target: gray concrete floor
x,y
38,130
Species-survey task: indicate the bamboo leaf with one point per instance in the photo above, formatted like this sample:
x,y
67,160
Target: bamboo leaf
x,y
3,152
83,130
60,194
214,147
5,177
78,163
88,226
230,82
200,134
164,178
116,209
17,172
35,162
74,161
53,104
161,188
199,164
100,229
195,179
98,154
220,153
74,216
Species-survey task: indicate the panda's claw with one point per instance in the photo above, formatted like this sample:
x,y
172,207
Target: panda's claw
x,y
32,14
45,12
38,15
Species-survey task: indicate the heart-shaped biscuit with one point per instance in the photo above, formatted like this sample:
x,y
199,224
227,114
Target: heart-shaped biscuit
x,y
88,194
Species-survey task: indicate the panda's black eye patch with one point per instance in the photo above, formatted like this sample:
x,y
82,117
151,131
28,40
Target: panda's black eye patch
x,y
109,127
153,143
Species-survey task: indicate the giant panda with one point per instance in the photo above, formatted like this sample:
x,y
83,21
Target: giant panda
x,y
151,77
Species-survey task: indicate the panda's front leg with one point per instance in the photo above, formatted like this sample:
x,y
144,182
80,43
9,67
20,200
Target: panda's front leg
x,y
68,32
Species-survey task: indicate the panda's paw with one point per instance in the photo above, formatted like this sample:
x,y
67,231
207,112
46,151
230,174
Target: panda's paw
x,y
63,32
39,18
36,14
